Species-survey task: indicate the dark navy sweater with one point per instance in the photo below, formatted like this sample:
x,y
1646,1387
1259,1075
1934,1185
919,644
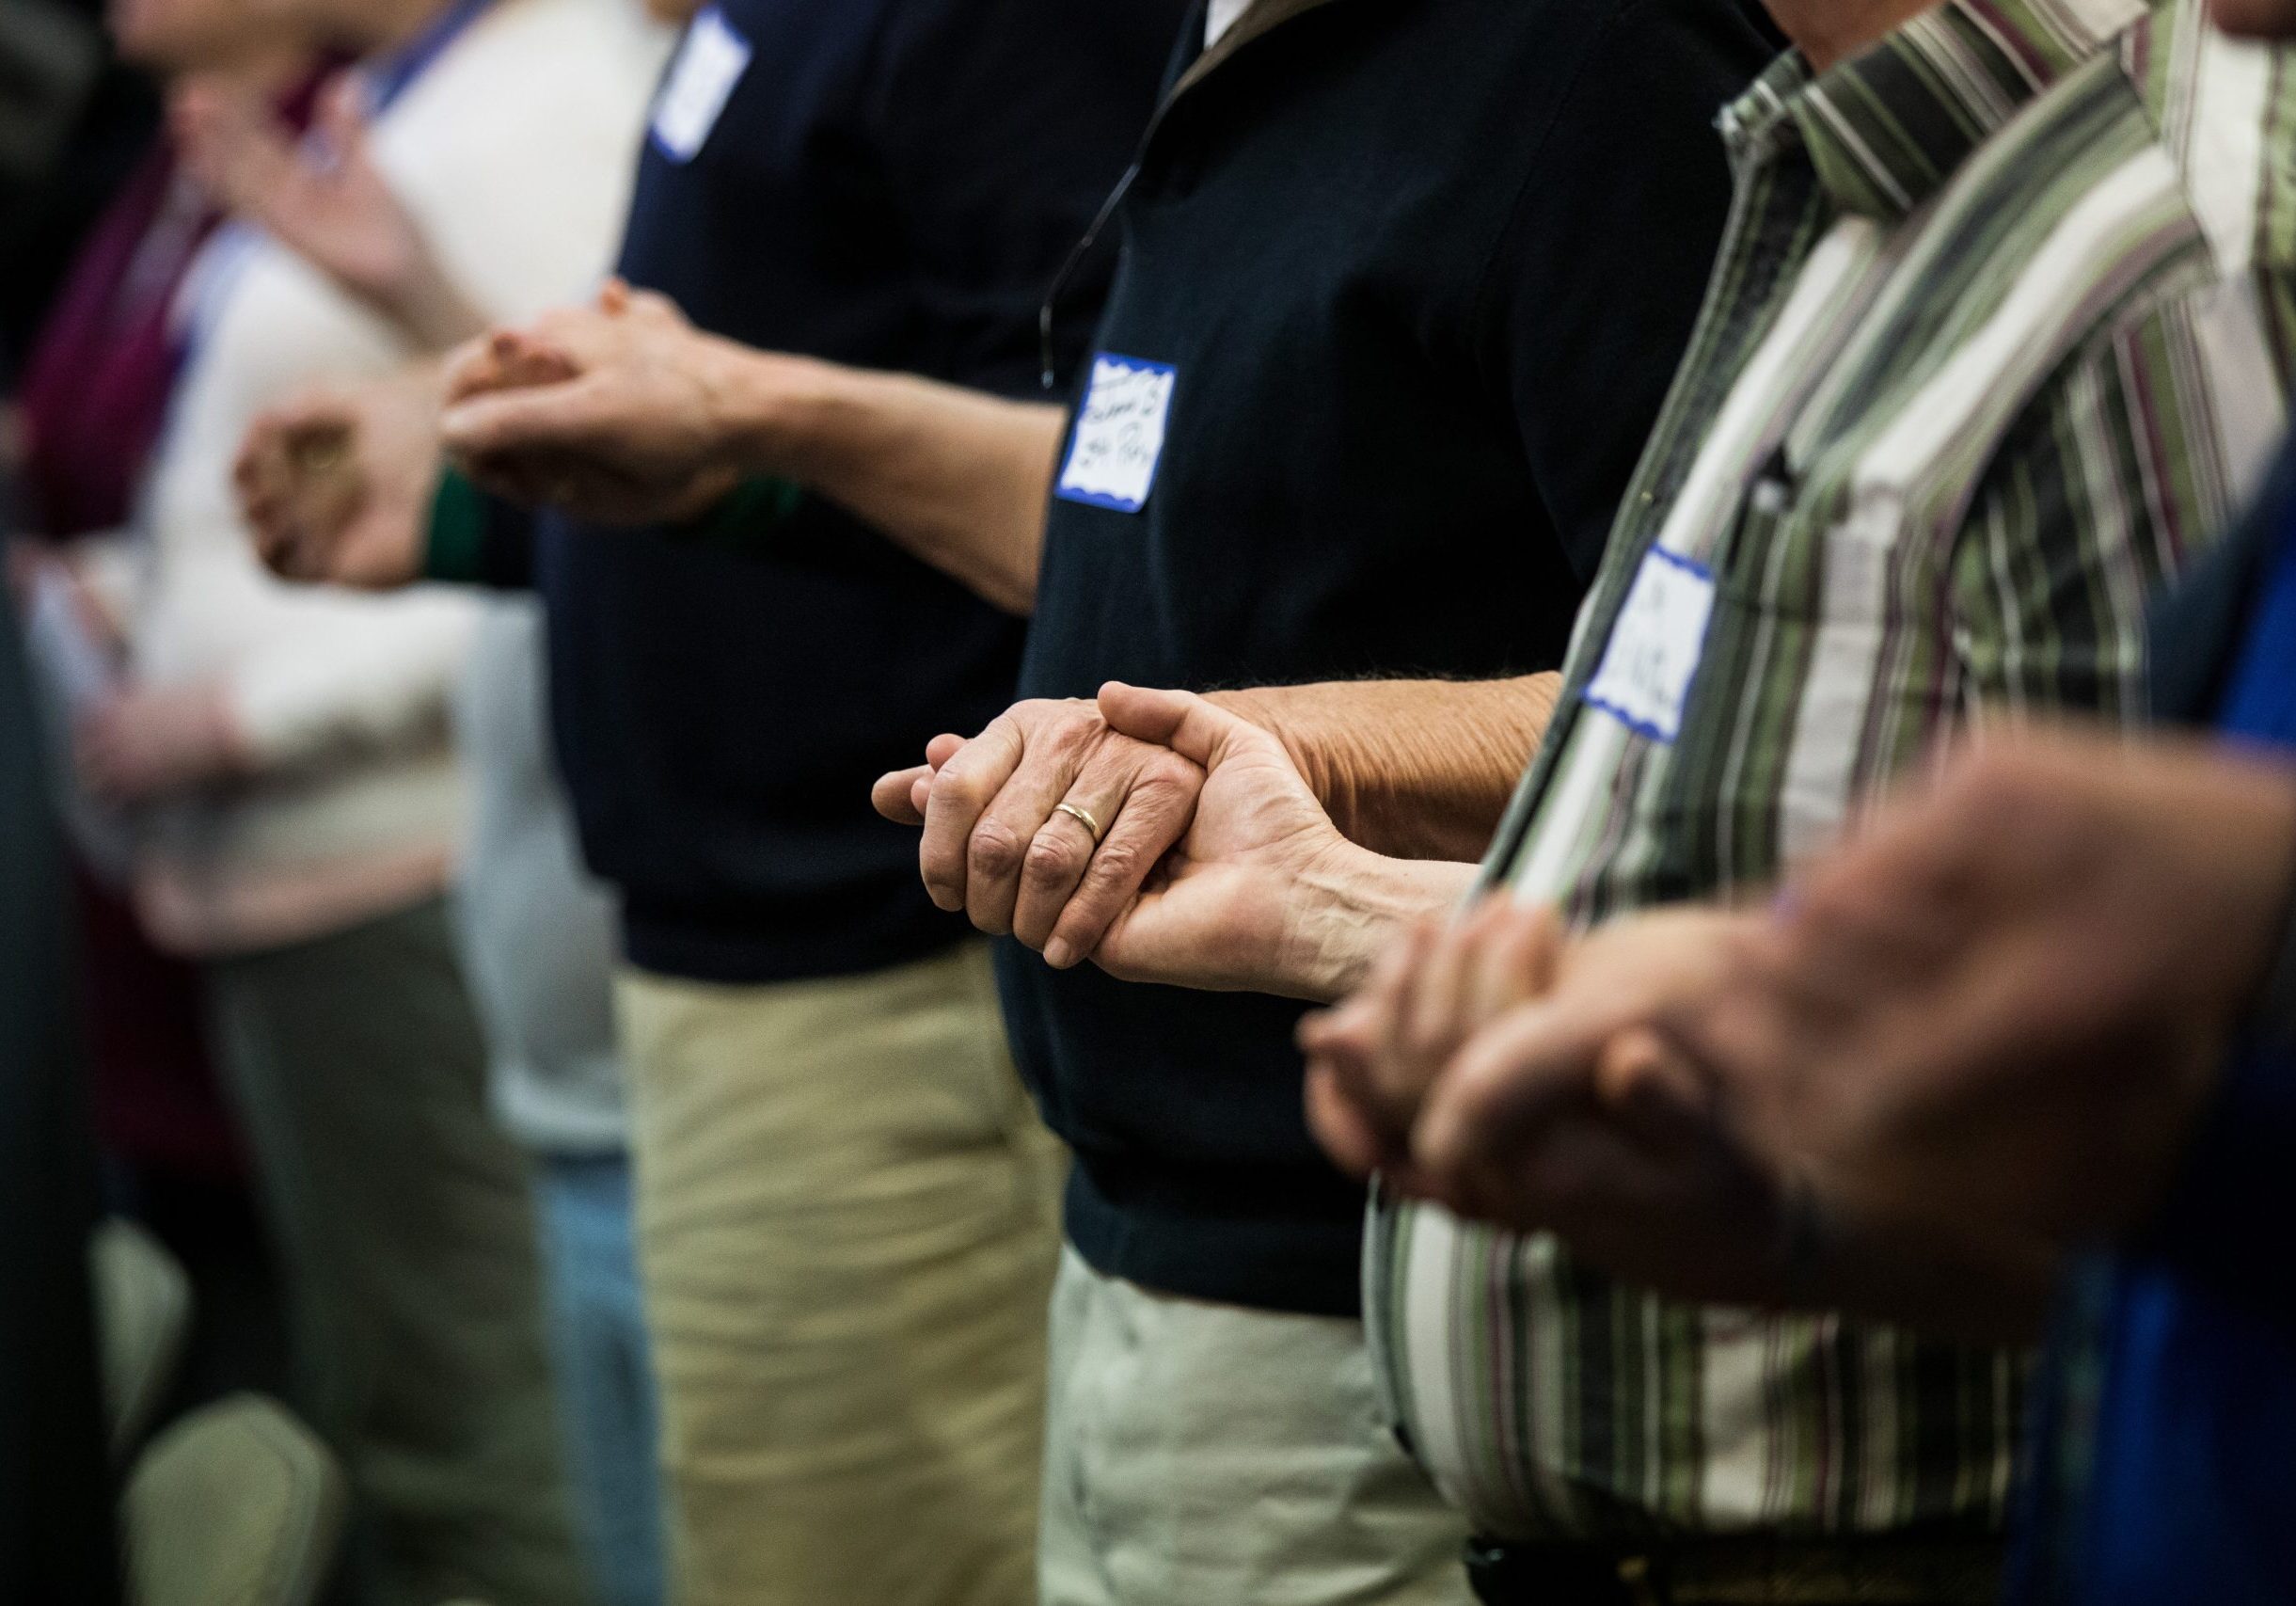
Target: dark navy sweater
x,y
891,184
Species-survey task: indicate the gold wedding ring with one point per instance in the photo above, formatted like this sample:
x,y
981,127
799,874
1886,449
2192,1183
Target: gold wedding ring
x,y
1082,816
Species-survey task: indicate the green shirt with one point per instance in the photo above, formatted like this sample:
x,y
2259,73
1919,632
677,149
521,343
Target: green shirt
x,y
1993,345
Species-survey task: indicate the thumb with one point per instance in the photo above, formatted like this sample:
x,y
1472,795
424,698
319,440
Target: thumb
x,y
1182,721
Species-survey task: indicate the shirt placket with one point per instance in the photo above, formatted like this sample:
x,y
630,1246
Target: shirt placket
x,y
1774,209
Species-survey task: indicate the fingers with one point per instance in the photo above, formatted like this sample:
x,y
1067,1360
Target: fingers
x,y
509,422
962,793
1342,1128
1072,902
504,361
1528,1067
896,794
1657,1093
1386,1071
1518,960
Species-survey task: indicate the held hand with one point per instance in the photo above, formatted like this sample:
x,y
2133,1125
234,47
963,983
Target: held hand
x,y
337,484
1571,1114
324,200
144,745
1237,904
1372,1061
2004,1004
614,412
1046,824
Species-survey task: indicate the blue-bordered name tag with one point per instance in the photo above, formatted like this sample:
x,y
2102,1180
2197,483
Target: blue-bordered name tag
x,y
1118,438
1651,658
710,61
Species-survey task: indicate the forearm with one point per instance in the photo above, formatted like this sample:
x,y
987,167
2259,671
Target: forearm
x,y
430,309
1414,769
957,478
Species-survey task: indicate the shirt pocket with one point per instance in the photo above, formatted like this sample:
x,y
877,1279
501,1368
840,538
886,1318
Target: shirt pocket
x,y
1777,720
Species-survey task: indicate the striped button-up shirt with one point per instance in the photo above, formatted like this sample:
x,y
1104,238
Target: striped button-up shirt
x,y
1996,339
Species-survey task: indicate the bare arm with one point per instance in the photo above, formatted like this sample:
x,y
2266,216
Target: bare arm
x,y
956,477
624,413
1412,768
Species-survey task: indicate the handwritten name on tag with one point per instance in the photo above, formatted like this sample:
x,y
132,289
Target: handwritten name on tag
x,y
1653,656
1120,434
709,63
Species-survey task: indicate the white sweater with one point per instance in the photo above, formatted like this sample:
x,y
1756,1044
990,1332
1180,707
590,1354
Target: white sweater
x,y
514,151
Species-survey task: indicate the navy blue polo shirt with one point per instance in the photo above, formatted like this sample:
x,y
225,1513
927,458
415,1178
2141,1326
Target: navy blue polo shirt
x,y
890,183
1405,282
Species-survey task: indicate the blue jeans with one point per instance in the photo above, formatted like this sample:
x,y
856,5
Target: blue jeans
x,y
605,1375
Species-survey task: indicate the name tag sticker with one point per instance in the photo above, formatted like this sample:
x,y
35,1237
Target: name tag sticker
x,y
709,63
1644,681
1120,434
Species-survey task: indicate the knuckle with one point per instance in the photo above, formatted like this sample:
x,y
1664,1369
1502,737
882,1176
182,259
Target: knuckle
x,y
993,850
1118,864
1052,860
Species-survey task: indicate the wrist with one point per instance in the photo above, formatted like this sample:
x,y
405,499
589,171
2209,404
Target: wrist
x,y
779,415
1344,910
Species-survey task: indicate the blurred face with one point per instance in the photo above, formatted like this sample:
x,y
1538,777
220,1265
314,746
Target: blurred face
x,y
172,36
2256,19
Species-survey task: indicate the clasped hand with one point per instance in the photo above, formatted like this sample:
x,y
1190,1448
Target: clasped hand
x,y
1154,833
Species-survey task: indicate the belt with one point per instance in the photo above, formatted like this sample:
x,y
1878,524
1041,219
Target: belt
x,y
1892,1570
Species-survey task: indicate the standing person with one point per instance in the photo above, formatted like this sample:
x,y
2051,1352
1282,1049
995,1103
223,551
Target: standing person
x,y
535,933
300,808
846,1207
1989,356
93,397
1398,292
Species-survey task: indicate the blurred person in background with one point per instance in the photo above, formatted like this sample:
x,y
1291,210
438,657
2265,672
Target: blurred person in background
x,y
284,756
92,397
535,931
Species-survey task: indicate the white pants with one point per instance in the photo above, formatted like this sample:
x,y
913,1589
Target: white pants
x,y
1202,1454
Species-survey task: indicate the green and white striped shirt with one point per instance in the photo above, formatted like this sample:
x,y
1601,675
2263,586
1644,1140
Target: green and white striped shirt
x,y
1996,339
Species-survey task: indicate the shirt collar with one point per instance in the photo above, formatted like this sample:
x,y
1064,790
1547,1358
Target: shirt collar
x,y
1887,128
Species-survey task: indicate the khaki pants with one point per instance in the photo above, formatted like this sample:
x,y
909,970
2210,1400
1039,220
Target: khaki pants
x,y
847,1230
1206,1455
407,1232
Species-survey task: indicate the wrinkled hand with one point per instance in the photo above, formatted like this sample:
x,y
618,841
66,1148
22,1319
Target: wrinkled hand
x,y
1231,907
144,745
323,199
336,485
2003,1004
613,412
998,846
